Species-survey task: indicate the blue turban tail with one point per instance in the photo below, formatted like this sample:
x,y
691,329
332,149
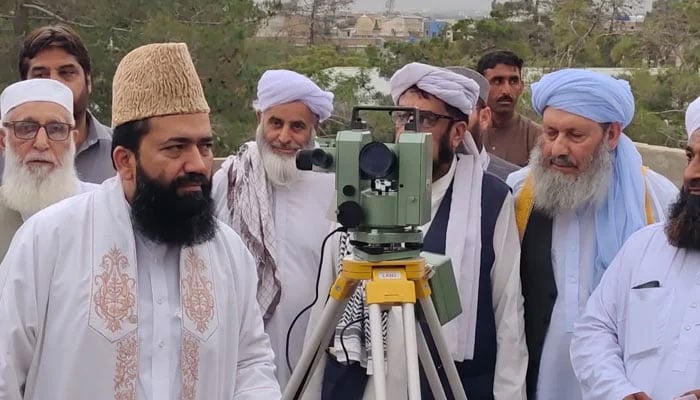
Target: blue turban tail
x,y
603,99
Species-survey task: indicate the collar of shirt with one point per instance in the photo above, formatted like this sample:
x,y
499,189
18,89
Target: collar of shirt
x,y
96,132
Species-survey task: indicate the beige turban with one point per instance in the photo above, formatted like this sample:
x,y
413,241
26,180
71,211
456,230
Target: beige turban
x,y
156,80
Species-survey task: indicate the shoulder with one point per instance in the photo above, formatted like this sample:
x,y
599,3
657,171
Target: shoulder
x,y
62,217
494,184
517,179
658,181
227,238
500,167
104,133
654,233
85,187
531,124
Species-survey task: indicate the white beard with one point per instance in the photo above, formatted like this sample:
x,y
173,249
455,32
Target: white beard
x,y
28,191
555,191
281,170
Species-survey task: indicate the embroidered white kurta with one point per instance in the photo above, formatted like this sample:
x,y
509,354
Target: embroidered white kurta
x,y
71,312
573,249
642,340
511,357
300,225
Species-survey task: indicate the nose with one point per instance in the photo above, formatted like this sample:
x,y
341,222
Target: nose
x,y
285,135
41,141
197,163
559,146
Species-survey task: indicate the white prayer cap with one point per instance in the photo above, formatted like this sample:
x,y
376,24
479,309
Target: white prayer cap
x,y
282,86
692,117
30,90
452,88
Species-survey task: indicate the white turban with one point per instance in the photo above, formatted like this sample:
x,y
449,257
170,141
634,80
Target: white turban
x,y
282,86
46,90
452,88
692,117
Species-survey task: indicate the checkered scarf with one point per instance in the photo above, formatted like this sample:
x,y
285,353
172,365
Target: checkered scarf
x,y
252,216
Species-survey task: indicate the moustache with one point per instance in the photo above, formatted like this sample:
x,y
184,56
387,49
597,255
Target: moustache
x,y
189,179
505,98
561,161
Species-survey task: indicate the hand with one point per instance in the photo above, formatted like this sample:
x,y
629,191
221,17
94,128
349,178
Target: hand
x,y
637,396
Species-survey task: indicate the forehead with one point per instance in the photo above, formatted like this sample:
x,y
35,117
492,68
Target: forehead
x,y
501,71
39,111
563,120
53,57
191,127
415,99
291,112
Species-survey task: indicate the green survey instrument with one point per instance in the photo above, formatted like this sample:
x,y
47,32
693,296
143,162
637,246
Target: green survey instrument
x,y
383,193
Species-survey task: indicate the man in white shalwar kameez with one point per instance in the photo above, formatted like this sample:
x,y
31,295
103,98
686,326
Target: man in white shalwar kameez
x,y
583,194
473,223
135,290
638,337
279,211
37,137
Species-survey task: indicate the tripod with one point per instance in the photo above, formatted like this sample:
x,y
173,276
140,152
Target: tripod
x,y
390,283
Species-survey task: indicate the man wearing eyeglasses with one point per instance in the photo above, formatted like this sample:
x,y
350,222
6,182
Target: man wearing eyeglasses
x,y
473,222
38,141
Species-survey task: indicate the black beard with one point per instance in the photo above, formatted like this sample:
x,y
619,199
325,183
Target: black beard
x,y
683,226
164,216
445,152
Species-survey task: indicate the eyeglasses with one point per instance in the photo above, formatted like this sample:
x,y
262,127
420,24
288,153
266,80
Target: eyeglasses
x,y
27,130
428,119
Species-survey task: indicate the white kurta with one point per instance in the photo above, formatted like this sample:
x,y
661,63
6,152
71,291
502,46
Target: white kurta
x,y
511,357
573,248
300,226
71,305
642,340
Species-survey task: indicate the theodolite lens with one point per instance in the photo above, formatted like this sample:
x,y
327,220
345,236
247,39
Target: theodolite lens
x,y
377,160
306,159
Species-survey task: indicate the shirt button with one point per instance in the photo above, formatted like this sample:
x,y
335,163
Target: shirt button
x,y
160,301
161,344
694,305
687,327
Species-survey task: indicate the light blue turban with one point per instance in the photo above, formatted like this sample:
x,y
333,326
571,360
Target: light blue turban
x,y
282,86
589,94
603,99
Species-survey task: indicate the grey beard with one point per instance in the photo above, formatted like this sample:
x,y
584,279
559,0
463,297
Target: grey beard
x,y
556,192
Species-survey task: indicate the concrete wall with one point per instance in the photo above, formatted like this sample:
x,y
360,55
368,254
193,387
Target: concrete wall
x,y
664,160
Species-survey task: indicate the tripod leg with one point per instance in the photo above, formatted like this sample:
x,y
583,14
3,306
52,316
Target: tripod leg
x,y
375,327
429,366
444,352
313,351
409,328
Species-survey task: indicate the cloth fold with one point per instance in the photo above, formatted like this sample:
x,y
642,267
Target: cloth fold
x,y
252,215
